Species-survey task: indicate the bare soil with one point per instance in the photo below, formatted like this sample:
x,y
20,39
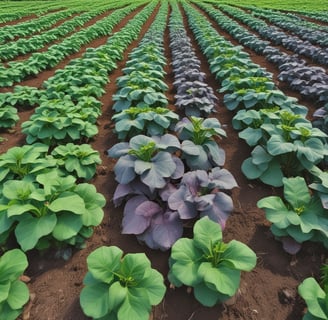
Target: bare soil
x,y
268,292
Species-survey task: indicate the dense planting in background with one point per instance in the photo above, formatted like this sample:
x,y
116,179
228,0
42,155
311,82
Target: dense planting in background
x,y
182,68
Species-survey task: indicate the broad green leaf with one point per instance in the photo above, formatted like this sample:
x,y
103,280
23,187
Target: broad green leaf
x,y
103,262
68,225
223,279
9,314
208,297
94,300
187,259
136,305
273,175
18,295
296,192
239,256
276,145
12,265
312,293
30,230
154,283
277,212
4,289
18,209
206,232
70,202
134,266
116,295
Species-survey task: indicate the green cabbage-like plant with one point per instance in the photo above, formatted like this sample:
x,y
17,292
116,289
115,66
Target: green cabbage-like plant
x,y
151,158
14,293
199,149
144,120
49,210
212,267
80,160
298,217
250,122
316,296
8,117
290,150
61,120
120,287
28,160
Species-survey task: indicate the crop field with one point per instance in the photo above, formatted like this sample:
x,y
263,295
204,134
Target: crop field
x,y
163,160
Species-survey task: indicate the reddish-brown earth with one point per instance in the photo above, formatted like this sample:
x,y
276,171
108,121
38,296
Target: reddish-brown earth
x,y
268,292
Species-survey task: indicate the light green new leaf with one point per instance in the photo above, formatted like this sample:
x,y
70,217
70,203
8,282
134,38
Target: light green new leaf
x,y
12,265
103,262
134,266
18,295
206,232
313,295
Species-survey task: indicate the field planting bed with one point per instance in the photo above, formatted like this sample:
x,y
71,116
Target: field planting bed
x,y
76,87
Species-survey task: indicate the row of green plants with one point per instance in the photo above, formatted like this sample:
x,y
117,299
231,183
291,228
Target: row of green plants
x,y
40,61
11,11
300,215
68,107
39,180
9,51
12,32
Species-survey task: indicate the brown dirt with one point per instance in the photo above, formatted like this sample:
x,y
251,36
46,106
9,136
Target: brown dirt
x,y
268,292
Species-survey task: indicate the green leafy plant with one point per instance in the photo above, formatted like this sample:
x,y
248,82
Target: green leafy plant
x,y
61,120
209,265
298,217
143,120
80,160
315,296
8,117
199,149
120,287
291,149
28,160
250,123
14,293
50,209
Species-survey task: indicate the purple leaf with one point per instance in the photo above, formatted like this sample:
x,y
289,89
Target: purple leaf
x,y
220,210
133,223
148,209
290,245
